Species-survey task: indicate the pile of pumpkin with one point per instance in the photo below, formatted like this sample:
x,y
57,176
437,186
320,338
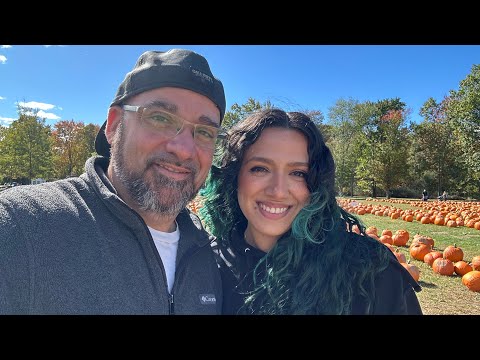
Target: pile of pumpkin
x,y
448,262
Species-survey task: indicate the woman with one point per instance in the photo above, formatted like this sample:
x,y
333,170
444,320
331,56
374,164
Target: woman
x,y
283,244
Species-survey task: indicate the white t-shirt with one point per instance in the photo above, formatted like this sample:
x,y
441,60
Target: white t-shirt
x,y
167,245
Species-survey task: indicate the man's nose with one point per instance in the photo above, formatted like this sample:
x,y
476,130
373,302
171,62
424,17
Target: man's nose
x,y
182,144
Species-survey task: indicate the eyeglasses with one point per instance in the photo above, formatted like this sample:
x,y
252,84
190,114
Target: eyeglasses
x,y
170,125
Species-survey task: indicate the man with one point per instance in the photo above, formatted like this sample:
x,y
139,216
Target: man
x,y
119,238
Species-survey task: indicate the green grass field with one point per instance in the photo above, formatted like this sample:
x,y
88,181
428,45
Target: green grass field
x,y
440,295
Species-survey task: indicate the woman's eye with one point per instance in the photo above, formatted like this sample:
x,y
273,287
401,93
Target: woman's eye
x,y
258,169
300,174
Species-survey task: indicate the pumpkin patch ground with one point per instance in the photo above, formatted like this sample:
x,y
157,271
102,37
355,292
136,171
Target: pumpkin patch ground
x,y
450,285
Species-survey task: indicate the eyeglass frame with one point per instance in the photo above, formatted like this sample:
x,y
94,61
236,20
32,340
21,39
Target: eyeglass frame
x,y
221,133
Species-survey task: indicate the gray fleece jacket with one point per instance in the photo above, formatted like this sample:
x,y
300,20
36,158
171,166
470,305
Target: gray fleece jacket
x,y
74,247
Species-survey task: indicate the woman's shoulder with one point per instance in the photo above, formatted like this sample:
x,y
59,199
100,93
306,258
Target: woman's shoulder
x,y
395,288
395,291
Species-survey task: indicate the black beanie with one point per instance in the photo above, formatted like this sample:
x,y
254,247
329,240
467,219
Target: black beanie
x,y
176,68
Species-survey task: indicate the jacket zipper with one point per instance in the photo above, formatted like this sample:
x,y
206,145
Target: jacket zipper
x,y
179,267
171,308
162,268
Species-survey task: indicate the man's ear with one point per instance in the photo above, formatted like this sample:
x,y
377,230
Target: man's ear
x,y
113,120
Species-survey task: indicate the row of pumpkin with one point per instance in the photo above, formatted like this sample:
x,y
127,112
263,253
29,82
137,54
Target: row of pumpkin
x,y
451,214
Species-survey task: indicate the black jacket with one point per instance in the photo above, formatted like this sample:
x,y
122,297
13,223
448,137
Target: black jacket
x,y
394,288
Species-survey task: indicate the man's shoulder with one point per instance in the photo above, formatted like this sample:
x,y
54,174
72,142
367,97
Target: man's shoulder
x,y
45,195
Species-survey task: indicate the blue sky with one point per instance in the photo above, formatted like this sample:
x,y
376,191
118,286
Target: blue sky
x,y
78,82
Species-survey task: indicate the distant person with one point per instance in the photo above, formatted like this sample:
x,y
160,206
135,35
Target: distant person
x,y
444,196
283,243
119,239
424,195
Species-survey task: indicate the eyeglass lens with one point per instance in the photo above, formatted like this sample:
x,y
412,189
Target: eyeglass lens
x,y
170,126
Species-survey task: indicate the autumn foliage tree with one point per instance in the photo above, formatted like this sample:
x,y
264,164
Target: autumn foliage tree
x,y
384,143
72,145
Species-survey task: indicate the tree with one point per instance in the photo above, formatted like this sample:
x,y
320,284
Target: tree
x,y
239,112
26,147
73,145
344,143
433,146
5,170
88,138
464,111
383,159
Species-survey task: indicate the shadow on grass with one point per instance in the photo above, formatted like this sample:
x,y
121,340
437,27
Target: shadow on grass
x,y
427,284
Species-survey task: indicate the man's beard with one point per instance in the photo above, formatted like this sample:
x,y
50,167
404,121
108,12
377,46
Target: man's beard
x,y
161,195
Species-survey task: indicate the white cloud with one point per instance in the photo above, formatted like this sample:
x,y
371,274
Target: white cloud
x,y
49,116
36,105
47,46
41,107
3,59
42,114
6,121
2,98
5,46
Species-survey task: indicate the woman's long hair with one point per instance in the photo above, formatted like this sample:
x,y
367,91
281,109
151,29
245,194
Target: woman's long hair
x,y
316,266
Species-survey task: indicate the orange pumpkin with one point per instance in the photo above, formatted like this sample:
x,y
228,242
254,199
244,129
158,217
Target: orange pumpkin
x,y
386,239
462,267
413,270
387,232
423,239
453,253
443,267
476,262
418,251
472,280
470,223
400,256
371,230
451,223
401,237
396,215
431,256
425,220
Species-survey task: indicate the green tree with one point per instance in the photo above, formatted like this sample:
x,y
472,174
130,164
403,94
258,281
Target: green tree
x,y
464,111
88,138
4,163
239,112
26,147
344,143
433,148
